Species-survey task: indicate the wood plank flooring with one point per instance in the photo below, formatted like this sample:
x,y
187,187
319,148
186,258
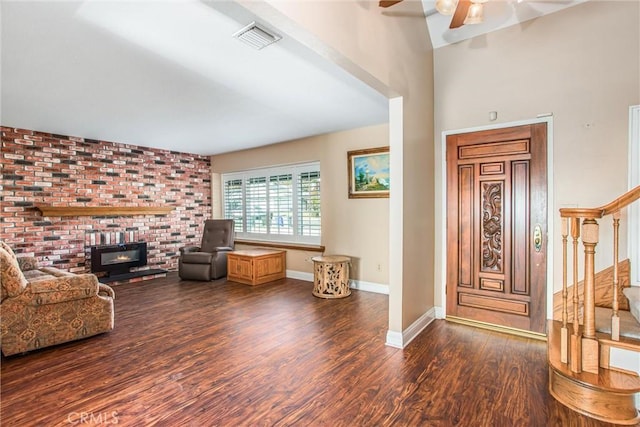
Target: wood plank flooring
x,y
224,354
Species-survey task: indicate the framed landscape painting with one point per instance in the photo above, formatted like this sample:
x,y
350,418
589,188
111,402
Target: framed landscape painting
x,y
368,173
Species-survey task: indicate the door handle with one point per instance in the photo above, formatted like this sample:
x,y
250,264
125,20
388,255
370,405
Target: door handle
x,y
537,237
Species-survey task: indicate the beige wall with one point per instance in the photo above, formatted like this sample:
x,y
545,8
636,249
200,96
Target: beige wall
x,y
358,228
582,65
394,55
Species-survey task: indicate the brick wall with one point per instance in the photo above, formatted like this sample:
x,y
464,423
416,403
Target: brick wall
x,y
47,169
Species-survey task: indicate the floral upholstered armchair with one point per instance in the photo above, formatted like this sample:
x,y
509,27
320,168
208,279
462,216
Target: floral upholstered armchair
x,y
46,306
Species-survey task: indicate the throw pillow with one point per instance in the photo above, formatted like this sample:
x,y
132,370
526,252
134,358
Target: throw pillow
x,y
7,248
12,280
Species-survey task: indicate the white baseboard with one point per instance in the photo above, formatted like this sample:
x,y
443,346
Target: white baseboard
x,y
439,311
394,339
300,275
360,285
402,339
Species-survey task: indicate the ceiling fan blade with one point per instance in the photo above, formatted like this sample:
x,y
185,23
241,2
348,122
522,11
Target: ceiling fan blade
x,y
460,14
387,3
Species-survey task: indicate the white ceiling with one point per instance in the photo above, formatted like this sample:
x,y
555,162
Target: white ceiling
x,y
169,74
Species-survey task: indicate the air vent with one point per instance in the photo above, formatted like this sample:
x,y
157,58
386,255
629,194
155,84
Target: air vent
x,y
256,36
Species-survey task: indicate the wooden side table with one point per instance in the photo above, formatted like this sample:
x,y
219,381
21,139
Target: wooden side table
x,y
331,276
256,266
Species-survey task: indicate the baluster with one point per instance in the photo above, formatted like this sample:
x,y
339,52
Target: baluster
x,y
615,320
590,351
564,334
576,349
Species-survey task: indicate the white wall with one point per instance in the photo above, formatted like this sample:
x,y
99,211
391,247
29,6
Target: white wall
x,y
634,181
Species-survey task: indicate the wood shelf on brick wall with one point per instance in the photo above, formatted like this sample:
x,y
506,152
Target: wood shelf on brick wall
x,y
103,210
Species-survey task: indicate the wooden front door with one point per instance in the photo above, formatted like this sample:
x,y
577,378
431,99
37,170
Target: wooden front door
x,y
497,226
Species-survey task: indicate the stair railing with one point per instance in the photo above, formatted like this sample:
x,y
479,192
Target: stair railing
x,y
581,350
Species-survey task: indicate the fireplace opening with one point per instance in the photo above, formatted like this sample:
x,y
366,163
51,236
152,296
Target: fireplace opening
x,y
118,259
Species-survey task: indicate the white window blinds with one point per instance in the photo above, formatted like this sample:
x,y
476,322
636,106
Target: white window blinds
x,y
309,204
256,202
276,204
234,202
281,204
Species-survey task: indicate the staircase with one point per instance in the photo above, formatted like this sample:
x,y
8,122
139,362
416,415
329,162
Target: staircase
x,y
580,344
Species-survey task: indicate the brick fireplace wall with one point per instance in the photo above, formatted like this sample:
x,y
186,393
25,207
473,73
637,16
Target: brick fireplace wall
x,y
47,169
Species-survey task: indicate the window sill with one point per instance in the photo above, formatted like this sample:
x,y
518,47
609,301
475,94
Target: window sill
x,y
283,245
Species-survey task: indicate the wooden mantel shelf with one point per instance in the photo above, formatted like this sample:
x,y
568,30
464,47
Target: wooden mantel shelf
x,y
103,210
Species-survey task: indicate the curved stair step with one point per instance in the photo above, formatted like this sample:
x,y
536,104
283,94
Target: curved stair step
x,y
607,396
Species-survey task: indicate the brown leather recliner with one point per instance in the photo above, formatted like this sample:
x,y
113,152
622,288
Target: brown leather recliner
x,y
209,260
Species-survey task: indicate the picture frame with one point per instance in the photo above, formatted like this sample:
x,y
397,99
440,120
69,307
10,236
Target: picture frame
x,y
368,173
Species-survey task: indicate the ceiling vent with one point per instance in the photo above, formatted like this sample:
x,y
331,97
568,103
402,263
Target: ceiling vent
x,y
256,36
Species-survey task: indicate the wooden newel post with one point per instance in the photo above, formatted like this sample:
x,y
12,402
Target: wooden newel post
x,y
564,333
615,319
576,344
590,350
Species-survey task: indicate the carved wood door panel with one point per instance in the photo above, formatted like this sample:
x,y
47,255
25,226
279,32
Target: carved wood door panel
x,y
497,226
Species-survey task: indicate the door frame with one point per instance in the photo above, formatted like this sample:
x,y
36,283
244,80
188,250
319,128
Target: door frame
x,y
441,225
634,180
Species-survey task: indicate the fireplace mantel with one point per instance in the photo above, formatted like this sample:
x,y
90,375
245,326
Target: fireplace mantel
x,y
103,210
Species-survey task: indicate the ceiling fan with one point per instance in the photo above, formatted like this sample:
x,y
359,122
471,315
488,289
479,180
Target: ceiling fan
x,y
463,11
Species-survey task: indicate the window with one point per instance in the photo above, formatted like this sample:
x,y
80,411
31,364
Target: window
x,y
276,204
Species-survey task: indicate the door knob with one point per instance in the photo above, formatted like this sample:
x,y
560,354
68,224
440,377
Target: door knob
x,y
537,237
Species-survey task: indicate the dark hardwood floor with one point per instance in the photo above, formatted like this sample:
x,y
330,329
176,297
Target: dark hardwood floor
x,y
225,354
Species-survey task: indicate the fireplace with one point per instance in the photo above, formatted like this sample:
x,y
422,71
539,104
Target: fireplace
x,y
118,259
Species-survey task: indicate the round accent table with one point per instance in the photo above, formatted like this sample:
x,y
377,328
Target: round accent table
x,y
331,276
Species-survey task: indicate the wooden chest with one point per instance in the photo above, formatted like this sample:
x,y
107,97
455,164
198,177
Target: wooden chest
x,y
256,266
